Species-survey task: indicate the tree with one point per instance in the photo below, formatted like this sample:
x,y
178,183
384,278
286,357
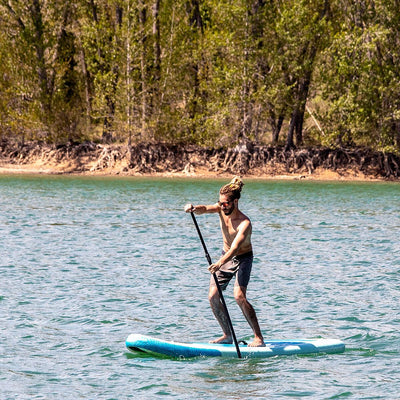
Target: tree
x,y
210,72
302,27
361,85
44,52
99,27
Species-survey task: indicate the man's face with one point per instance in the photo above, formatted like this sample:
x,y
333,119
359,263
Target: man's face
x,y
226,204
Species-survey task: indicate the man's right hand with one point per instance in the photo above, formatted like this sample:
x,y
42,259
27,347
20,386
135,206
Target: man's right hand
x,y
189,208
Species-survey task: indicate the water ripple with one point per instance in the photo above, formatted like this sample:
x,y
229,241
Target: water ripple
x,y
87,261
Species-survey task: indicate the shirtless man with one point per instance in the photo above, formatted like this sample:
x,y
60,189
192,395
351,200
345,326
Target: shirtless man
x,y
236,259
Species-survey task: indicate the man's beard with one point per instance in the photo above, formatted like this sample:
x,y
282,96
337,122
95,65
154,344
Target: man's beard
x,y
229,211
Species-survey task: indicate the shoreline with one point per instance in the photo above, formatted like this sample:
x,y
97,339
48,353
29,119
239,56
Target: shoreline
x,y
174,161
320,174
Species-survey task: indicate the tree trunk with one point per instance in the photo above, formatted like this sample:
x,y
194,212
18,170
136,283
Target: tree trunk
x,y
396,128
193,11
301,90
293,123
157,44
39,45
86,78
143,71
276,125
128,76
111,96
155,69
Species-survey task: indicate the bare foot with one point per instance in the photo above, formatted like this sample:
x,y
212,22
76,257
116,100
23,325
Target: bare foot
x,y
257,342
224,339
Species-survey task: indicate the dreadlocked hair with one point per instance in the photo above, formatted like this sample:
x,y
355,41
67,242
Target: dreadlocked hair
x,y
233,188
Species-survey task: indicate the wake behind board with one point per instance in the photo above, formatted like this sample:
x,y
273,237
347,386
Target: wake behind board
x,y
147,344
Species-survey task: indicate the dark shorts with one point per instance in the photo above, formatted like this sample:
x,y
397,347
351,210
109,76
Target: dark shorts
x,y
239,266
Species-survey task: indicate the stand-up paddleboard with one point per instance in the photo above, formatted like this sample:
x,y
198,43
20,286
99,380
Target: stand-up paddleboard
x,y
147,344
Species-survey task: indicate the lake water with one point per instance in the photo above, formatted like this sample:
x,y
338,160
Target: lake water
x,y
84,262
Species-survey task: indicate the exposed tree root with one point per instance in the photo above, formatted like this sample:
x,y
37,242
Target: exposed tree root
x,y
244,159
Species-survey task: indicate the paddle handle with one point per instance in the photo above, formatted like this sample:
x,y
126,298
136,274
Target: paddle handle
x,y
218,286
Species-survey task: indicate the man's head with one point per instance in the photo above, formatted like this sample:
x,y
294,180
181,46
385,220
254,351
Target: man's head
x,y
230,194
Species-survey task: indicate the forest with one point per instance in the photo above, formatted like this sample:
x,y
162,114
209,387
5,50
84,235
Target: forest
x,y
212,73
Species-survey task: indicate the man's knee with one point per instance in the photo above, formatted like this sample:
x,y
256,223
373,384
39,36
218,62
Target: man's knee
x,y
213,295
240,295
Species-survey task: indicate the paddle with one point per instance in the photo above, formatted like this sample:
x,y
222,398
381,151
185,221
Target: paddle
x,y
218,286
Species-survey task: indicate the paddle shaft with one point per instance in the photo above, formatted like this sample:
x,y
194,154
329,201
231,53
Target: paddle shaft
x,y
218,287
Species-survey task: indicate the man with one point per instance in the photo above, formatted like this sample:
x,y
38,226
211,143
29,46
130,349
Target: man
x,y
236,259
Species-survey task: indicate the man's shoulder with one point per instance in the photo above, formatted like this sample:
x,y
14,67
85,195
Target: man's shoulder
x,y
244,217
244,221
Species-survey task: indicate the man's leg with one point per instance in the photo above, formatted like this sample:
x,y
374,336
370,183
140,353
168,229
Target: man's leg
x,y
220,315
250,314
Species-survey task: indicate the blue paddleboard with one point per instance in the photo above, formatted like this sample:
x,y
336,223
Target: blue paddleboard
x,y
147,344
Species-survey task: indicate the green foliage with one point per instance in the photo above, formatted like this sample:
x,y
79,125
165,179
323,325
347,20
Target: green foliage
x,y
359,78
201,71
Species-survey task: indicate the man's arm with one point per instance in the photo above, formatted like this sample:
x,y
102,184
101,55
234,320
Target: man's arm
x,y
243,231
202,209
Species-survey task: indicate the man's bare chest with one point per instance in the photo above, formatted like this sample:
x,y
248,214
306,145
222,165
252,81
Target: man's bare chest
x,y
230,229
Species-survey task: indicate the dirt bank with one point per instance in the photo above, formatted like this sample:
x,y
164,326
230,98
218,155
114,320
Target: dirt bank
x,y
178,160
